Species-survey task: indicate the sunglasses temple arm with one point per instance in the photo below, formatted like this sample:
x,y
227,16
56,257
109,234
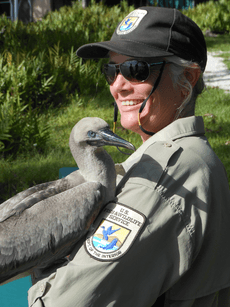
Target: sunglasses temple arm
x,y
144,102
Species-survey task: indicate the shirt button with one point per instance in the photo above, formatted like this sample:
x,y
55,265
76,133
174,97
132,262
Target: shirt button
x,y
167,145
42,287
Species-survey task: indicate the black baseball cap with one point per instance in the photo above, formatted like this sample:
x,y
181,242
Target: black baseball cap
x,y
149,32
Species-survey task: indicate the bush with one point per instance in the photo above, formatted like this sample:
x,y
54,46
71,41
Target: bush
x,y
211,15
21,129
39,68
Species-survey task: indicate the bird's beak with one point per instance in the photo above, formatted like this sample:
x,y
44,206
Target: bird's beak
x,y
107,137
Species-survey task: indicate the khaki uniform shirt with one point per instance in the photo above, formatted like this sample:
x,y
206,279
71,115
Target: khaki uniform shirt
x,y
167,232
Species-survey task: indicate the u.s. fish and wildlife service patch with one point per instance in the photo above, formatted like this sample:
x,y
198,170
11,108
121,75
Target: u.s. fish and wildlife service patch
x,y
117,226
131,22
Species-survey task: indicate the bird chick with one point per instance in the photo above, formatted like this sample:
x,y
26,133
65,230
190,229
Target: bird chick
x,y
42,224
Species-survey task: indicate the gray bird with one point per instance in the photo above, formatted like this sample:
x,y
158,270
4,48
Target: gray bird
x,y
43,223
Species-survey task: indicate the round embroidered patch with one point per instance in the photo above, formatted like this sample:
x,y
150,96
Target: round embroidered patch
x,y
131,22
117,226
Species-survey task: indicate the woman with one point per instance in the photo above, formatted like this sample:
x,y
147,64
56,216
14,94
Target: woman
x,y
164,240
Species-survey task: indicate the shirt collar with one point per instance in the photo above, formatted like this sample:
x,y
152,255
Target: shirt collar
x,y
182,127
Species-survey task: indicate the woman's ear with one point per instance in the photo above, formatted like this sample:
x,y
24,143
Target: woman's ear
x,y
192,74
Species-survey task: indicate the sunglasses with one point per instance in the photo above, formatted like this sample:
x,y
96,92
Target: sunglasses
x,y
133,70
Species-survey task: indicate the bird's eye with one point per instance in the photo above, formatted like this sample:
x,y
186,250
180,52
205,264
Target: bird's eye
x,y
91,134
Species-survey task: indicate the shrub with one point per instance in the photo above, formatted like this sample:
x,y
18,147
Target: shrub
x,y
45,50
39,68
211,15
21,129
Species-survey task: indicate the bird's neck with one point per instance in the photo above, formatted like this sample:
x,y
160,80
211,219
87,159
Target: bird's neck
x,y
97,165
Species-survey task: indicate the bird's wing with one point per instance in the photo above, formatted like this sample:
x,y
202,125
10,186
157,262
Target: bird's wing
x,y
47,230
25,199
109,230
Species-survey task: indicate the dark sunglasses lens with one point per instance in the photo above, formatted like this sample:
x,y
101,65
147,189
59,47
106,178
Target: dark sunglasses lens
x,y
135,70
110,72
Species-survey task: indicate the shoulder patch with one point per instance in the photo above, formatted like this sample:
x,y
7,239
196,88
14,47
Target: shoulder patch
x,y
117,226
131,21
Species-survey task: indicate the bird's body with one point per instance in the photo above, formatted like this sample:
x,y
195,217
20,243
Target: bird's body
x,y
42,224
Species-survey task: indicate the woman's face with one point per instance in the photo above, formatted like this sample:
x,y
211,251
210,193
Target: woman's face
x,y
160,108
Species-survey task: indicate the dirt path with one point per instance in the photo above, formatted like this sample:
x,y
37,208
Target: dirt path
x,y
216,73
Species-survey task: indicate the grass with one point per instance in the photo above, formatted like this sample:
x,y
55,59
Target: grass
x,y
226,56
219,43
214,106
33,168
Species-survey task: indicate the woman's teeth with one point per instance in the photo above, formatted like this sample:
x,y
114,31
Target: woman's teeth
x,y
130,103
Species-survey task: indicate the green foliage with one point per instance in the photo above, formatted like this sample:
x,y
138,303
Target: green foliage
x,y
214,106
211,15
21,129
39,68
220,43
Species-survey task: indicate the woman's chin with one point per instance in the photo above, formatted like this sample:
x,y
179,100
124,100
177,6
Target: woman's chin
x,y
130,124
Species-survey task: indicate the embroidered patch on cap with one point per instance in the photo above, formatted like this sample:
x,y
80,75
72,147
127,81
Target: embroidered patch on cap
x,y
131,22
117,226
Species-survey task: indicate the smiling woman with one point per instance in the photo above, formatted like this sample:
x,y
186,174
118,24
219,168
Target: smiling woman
x,y
160,108
163,240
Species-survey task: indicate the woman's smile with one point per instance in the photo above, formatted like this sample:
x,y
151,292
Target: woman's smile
x,y
131,102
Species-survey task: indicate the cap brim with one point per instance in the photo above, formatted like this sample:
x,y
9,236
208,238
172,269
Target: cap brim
x,y
132,49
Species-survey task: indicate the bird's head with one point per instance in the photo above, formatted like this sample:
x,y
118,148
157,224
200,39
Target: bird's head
x,y
94,131
95,164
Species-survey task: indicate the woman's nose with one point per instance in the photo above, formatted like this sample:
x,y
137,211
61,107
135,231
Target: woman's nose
x,y
120,83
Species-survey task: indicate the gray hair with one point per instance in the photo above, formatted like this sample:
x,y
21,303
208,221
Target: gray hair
x,y
177,68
